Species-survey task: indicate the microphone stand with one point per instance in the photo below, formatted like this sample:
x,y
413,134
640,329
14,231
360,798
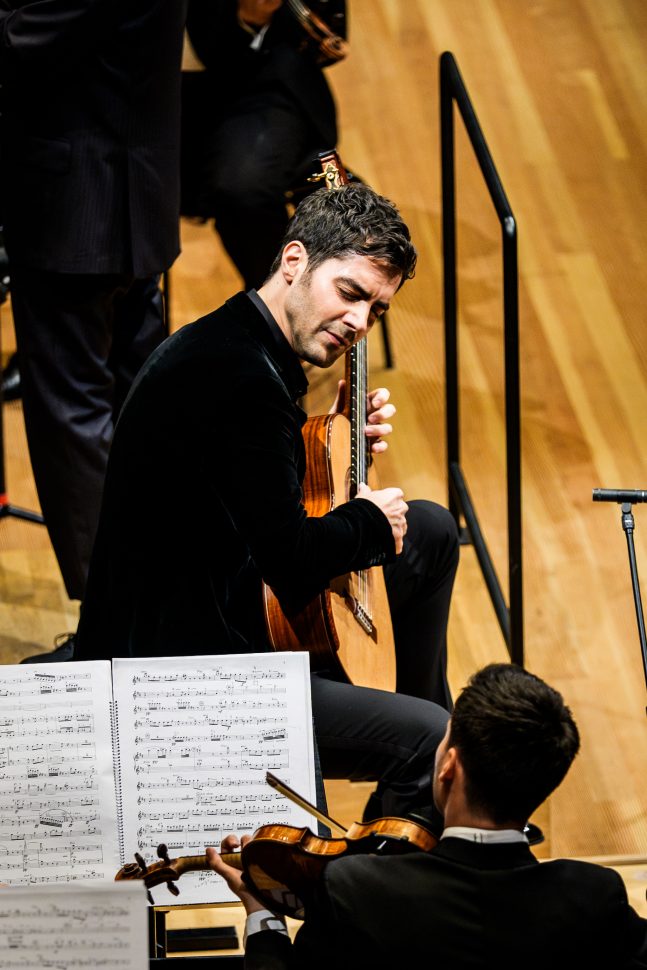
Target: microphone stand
x,y
627,521
624,498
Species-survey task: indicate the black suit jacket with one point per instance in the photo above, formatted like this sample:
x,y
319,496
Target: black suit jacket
x,y
461,906
203,497
90,133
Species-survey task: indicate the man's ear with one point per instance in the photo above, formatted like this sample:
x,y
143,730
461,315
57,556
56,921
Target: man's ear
x,y
448,766
293,261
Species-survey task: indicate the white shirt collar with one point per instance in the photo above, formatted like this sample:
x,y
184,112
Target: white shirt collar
x,y
483,835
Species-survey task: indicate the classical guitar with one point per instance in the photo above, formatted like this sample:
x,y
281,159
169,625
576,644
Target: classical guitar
x,y
347,627
324,23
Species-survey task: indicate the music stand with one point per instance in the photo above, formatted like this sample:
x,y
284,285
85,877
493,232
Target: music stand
x,y
6,508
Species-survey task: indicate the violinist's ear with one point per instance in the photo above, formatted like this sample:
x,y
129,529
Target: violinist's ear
x,y
448,765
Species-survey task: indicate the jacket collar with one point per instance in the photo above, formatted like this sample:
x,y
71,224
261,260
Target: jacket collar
x,y
481,855
262,326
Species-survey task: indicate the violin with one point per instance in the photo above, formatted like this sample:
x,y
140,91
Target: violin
x,y
282,863
325,27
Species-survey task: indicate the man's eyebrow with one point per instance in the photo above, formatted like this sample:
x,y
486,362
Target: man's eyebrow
x,y
361,292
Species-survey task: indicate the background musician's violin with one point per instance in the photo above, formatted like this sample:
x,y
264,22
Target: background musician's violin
x,y
347,627
282,863
324,23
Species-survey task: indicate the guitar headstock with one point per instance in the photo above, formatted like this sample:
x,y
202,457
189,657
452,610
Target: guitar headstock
x,y
332,170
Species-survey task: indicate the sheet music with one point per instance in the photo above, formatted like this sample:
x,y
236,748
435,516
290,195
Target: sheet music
x,y
69,928
58,818
203,732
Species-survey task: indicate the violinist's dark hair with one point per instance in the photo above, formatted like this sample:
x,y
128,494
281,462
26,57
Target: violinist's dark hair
x,y
351,220
516,739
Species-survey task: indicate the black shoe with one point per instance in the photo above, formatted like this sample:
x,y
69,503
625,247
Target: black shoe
x,y
533,833
63,651
11,386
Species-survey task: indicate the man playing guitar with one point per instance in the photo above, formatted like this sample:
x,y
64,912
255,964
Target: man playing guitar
x,y
215,414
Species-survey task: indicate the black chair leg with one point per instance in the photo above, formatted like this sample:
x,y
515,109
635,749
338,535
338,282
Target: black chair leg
x,y
386,343
166,298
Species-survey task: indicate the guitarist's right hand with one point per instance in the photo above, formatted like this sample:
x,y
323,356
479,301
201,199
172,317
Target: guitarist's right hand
x,y
392,504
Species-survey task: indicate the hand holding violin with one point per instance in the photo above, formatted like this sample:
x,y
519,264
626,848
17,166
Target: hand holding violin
x,y
233,877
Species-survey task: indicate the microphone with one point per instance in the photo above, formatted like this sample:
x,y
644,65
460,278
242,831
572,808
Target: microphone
x,y
623,495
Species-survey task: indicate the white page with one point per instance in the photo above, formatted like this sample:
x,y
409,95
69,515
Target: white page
x,y
58,817
69,928
196,736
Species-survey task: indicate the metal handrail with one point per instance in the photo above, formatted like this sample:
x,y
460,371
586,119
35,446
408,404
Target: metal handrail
x,y
453,91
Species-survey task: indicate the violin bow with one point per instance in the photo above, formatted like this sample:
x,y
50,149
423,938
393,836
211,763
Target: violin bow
x,y
290,793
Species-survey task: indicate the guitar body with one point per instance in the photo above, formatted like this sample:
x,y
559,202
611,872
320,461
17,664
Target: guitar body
x,y
347,628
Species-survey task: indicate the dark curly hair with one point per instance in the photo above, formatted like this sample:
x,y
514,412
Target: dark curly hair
x,y
516,739
351,220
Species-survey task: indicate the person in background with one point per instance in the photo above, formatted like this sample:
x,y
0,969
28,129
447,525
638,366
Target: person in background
x,y
90,146
253,122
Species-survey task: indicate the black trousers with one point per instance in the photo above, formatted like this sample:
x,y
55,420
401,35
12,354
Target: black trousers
x,y
372,735
237,166
81,341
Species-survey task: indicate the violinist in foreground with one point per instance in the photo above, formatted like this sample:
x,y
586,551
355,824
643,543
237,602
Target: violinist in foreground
x,y
479,899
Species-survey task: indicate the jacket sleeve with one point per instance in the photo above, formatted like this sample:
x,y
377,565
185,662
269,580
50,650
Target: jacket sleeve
x,y
297,555
49,34
626,930
217,38
268,951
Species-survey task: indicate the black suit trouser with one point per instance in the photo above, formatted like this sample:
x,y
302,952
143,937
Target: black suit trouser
x,y
81,341
372,735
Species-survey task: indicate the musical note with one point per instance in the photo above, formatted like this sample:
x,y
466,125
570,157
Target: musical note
x,y
188,739
205,731
62,927
57,795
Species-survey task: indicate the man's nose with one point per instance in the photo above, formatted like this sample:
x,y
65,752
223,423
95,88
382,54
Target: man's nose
x,y
357,319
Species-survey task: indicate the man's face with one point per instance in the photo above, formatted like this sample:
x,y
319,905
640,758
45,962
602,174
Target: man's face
x,y
332,307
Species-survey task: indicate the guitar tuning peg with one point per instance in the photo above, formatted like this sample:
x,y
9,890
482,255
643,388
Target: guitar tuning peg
x,y
162,853
172,888
141,863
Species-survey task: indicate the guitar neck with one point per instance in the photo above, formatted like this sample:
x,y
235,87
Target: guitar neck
x,y
357,389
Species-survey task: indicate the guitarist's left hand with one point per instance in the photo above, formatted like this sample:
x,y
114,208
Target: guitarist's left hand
x,y
379,411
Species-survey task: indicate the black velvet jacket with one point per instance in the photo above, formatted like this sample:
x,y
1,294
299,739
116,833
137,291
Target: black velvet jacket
x,y
203,498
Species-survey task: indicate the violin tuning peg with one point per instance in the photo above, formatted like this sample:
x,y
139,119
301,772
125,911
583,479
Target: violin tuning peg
x,y
141,863
150,897
162,852
172,888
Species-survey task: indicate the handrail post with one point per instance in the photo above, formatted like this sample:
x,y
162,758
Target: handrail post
x,y
510,617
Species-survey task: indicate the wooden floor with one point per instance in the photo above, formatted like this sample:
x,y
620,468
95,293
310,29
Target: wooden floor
x,y
560,87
